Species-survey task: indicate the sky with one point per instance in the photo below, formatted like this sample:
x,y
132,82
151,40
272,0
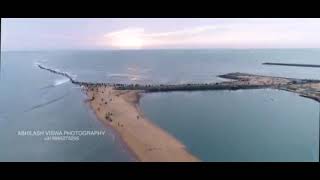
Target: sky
x,y
159,33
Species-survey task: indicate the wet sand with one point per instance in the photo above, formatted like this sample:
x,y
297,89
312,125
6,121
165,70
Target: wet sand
x,y
119,109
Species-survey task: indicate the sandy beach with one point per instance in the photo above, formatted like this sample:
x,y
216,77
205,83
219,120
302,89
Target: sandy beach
x,y
116,105
119,109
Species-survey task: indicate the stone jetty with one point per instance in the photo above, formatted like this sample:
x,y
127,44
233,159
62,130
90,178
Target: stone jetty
x,y
304,87
291,64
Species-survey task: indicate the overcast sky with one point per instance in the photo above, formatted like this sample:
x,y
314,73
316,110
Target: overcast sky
x,y
35,34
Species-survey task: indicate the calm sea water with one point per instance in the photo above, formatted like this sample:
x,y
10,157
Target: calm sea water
x,y
25,92
253,128
248,125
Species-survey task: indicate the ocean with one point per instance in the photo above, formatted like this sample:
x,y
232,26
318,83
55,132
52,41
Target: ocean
x,y
244,125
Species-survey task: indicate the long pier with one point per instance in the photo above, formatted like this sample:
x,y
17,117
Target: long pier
x,y
292,64
304,87
69,76
169,87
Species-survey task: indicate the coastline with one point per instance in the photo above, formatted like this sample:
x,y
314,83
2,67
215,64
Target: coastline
x,y
119,109
117,106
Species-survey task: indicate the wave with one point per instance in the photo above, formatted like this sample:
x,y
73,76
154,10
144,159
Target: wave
x,y
132,69
57,71
132,77
39,62
139,70
120,75
61,81
36,64
56,83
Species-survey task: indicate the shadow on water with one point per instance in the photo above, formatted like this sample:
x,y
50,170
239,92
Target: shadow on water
x,y
47,87
46,103
8,116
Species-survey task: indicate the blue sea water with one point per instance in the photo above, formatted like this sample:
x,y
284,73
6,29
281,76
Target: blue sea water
x,y
239,126
253,125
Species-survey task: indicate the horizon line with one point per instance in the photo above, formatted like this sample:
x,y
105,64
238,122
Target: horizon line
x,y
151,49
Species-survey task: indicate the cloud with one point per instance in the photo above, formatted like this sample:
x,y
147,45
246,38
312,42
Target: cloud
x,y
126,38
250,34
128,31
22,34
137,37
184,32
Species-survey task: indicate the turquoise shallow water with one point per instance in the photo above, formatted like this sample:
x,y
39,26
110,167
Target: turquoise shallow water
x,y
33,99
245,125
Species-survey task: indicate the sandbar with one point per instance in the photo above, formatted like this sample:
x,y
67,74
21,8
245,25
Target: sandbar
x,y
120,110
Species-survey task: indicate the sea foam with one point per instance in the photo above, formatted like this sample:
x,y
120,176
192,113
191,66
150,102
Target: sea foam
x,y
60,81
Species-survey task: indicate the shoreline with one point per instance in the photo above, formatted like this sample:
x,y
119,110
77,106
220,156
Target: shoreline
x,y
117,137
114,131
147,141
117,106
